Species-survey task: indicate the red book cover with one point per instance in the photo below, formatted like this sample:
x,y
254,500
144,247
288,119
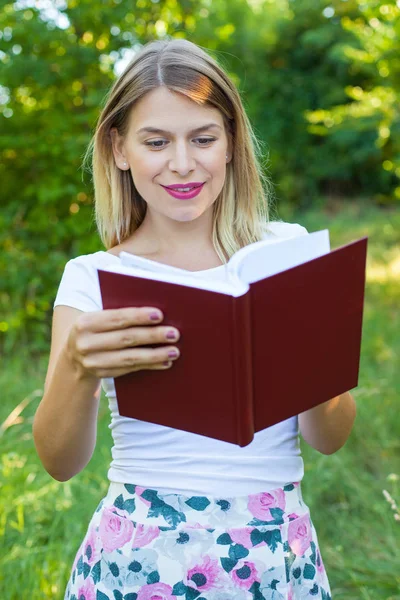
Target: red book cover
x,y
208,389
247,362
306,333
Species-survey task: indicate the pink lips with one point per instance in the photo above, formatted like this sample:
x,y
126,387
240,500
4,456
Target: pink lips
x,y
177,186
196,189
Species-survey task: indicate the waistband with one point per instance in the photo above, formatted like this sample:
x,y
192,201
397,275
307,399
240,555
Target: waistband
x,y
171,511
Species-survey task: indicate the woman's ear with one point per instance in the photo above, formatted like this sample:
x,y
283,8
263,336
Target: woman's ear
x,y
117,142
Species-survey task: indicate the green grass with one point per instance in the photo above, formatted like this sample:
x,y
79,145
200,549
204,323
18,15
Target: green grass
x,y
42,521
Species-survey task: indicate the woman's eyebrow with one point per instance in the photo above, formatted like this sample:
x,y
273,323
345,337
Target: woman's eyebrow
x,y
163,131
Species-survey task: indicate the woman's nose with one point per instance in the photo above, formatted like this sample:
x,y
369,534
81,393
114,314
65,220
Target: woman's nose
x,y
182,161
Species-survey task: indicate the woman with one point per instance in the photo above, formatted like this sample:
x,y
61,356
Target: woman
x,y
176,181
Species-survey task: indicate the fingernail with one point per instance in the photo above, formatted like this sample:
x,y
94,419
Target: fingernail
x,y
155,316
173,354
171,335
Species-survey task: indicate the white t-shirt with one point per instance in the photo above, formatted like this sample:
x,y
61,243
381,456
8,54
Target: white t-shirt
x,y
175,461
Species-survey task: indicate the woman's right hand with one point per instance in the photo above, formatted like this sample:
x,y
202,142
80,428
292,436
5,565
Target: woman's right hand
x,y
113,342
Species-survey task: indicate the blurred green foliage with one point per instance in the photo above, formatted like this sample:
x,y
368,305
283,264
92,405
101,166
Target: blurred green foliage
x,y
320,81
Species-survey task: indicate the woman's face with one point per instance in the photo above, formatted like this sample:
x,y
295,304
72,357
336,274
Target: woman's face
x,y
172,141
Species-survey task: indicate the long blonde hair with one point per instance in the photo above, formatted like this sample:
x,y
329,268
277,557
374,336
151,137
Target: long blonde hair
x,y
241,210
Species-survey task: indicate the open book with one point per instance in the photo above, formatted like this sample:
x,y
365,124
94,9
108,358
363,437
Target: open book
x,y
277,332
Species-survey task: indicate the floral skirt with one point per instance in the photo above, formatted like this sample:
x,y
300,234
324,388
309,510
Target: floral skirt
x,y
142,544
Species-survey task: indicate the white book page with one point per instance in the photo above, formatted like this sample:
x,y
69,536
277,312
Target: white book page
x,y
262,259
249,264
182,277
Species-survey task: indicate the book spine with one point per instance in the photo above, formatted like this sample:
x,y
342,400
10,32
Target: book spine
x,y
242,368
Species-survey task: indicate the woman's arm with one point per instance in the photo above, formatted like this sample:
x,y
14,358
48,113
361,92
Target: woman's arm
x,y
86,347
64,428
326,427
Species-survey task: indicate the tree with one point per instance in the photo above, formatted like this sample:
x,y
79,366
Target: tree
x,y
319,79
367,123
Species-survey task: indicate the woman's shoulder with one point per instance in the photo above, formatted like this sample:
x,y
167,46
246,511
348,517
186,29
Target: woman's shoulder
x,y
79,285
93,260
282,230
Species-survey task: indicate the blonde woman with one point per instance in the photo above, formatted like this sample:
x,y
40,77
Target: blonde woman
x,y
177,181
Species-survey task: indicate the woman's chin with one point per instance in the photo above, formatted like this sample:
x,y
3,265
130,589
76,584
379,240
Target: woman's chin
x,y
185,215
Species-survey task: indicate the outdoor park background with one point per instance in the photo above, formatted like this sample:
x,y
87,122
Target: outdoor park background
x,y
321,83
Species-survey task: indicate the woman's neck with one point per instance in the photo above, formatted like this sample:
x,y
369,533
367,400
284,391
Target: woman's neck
x,y
190,252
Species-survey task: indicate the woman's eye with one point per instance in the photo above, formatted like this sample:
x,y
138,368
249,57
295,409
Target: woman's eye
x,y
159,144
155,144
204,141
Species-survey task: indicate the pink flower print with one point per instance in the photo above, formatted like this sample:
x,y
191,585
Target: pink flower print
x,y
242,536
245,574
205,575
144,535
320,563
293,516
300,535
156,591
290,592
260,504
114,530
91,548
139,491
87,591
